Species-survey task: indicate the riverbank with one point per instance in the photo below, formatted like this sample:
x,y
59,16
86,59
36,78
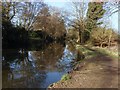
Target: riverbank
x,y
99,69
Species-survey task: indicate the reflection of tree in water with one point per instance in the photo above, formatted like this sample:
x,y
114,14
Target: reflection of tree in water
x,y
54,57
64,63
19,71
24,68
47,58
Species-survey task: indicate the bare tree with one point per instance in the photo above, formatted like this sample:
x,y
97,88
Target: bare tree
x,y
103,36
78,15
29,11
9,10
112,7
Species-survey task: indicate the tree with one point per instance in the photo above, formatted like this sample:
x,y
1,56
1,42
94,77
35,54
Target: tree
x,y
112,7
7,16
79,9
72,34
11,34
57,22
9,10
28,11
50,22
94,14
103,36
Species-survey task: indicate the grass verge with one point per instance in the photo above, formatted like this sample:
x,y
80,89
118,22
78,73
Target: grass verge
x,y
65,77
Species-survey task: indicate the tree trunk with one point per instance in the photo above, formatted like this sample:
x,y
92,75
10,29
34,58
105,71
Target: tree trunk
x,y
80,37
109,42
101,45
78,40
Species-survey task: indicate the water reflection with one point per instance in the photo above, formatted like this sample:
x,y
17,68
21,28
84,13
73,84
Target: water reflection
x,y
35,69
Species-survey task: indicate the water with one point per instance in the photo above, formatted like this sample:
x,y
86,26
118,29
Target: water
x,y
35,67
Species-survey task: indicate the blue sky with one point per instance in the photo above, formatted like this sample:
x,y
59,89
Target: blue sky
x,y
61,4
114,21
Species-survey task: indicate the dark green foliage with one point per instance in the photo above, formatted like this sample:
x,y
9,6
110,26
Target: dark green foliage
x,y
94,14
86,36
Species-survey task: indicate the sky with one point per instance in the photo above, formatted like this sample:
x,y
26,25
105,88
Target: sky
x,y
62,4
114,21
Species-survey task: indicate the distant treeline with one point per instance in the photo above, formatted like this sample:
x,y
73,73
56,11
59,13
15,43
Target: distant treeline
x,y
26,22
20,37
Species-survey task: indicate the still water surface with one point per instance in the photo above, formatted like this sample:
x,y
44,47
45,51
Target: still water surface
x,y
35,68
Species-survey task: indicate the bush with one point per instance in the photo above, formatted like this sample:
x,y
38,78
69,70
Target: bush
x,y
103,37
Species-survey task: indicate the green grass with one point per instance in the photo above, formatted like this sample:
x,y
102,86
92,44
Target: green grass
x,y
88,53
106,51
65,77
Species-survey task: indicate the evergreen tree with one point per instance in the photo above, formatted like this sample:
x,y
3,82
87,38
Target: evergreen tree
x,y
94,13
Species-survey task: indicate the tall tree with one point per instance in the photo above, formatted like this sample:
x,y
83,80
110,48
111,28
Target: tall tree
x,y
10,34
94,14
79,9
8,13
29,11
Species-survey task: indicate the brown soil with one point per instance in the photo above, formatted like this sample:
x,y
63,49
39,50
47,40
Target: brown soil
x,y
100,71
